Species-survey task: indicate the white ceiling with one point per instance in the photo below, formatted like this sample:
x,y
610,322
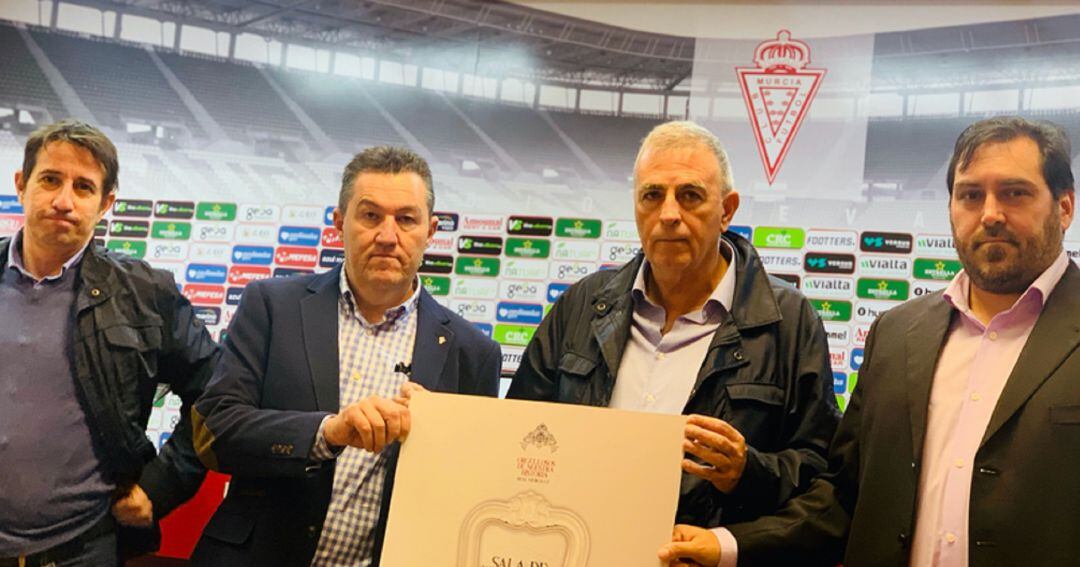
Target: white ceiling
x,y
748,19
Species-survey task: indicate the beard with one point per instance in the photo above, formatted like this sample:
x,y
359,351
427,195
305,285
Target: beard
x,y
1009,267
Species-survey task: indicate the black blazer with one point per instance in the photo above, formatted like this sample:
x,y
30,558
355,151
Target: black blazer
x,y
277,379
1025,493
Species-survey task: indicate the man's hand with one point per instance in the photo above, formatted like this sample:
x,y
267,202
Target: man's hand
x,y
720,446
370,424
407,391
691,547
133,507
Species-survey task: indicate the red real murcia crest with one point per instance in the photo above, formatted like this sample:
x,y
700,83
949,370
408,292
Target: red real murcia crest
x,y
778,93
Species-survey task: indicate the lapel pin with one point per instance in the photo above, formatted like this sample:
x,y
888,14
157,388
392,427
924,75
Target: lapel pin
x,y
442,340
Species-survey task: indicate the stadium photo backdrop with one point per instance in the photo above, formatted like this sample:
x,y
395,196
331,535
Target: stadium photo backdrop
x,y
230,168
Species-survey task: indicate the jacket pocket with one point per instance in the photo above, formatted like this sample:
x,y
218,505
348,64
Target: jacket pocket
x,y
572,363
229,527
756,411
130,360
134,348
576,380
763,393
138,338
1065,415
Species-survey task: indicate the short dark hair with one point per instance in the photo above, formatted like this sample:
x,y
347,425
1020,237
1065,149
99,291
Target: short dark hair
x,y
1053,142
81,134
385,159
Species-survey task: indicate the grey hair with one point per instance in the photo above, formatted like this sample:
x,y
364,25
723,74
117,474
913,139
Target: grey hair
x,y
683,133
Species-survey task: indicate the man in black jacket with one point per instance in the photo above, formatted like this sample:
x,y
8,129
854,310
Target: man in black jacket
x,y
87,335
694,325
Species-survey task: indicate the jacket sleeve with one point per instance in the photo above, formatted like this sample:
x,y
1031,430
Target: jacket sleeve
x,y
480,365
234,433
811,417
813,526
490,372
188,358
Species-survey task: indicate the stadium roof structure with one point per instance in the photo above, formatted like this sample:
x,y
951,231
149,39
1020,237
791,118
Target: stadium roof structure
x,y
472,36
1031,53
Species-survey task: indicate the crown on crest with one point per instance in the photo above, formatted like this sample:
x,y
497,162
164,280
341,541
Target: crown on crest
x,y
784,53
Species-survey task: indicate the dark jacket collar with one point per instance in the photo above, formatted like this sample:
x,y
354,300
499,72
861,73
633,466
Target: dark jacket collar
x,y
95,278
434,338
753,305
95,270
319,283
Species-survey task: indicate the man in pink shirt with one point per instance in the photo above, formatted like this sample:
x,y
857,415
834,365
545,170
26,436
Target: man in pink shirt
x,y
961,445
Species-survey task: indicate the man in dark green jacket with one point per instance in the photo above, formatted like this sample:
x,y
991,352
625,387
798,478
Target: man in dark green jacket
x,y
694,325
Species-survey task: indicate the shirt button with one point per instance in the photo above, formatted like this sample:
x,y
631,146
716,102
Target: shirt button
x,y
649,399
959,463
659,356
993,335
975,397
950,537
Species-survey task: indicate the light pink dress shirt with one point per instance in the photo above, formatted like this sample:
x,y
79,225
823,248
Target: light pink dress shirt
x,y
974,365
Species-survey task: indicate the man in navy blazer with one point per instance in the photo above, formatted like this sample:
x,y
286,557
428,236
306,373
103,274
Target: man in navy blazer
x,y
301,409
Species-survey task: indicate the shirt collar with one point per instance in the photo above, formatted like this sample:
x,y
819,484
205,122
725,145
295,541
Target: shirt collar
x,y
15,259
390,316
724,293
958,291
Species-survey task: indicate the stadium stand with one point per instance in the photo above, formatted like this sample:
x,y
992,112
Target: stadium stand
x,y
911,151
237,97
22,84
271,153
107,76
338,107
105,73
611,141
428,117
522,133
